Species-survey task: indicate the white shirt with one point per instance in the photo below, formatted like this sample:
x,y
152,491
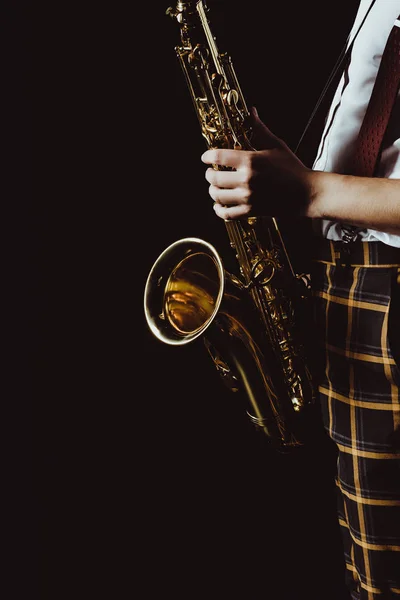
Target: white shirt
x,y
350,104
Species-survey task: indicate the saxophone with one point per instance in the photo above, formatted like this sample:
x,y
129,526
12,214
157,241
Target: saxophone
x,y
249,321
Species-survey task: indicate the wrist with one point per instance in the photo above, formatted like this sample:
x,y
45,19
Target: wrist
x,y
315,181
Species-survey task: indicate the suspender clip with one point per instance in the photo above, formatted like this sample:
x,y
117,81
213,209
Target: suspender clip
x,y
349,235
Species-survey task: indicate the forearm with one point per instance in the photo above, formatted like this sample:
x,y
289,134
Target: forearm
x,y
368,202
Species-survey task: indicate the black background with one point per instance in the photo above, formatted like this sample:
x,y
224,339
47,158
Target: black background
x,y
149,478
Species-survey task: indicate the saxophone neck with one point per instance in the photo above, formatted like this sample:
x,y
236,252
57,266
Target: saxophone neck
x,y
189,16
186,12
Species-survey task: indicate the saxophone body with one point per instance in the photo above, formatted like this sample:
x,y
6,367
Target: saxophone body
x,y
249,320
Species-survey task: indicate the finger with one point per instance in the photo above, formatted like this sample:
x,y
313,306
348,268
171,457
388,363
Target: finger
x,y
230,212
227,196
223,179
224,157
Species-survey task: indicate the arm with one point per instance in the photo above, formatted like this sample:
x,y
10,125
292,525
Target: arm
x,y
274,182
367,202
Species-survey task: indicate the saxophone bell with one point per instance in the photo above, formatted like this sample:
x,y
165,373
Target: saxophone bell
x,y
183,291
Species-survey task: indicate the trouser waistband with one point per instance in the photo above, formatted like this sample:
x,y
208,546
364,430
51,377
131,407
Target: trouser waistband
x,y
356,253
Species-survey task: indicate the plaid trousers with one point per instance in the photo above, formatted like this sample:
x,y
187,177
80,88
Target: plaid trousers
x,y
356,300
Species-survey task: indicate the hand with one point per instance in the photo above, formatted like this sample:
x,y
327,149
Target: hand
x,y
271,181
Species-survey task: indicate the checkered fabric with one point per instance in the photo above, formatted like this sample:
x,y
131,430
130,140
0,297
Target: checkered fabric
x,y
357,310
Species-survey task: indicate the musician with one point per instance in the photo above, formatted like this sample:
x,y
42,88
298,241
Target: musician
x,y
356,289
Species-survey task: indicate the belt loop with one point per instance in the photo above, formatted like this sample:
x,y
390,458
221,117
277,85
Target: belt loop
x,y
345,252
334,252
338,257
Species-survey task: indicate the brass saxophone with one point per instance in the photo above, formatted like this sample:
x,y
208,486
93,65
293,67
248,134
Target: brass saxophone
x,y
248,322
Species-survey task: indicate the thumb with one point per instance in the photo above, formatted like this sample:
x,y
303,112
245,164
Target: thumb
x,y
262,135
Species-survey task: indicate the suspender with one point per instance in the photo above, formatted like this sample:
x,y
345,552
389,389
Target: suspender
x,y
337,71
